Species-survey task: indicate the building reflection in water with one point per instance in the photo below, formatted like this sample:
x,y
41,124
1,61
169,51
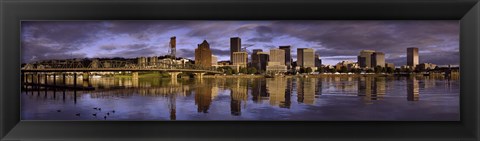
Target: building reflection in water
x,y
276,88
259,90
306,90
412,89
371,88
203,96
378,89
238,93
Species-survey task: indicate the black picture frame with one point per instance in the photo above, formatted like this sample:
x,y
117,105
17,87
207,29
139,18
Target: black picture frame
x,y
14,11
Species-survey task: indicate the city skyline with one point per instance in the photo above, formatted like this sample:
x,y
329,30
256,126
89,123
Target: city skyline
x,y
334,41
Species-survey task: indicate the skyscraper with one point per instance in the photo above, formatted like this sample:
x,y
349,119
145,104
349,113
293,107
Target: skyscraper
x,y
277,55
318,61
203,55
235,46
305,57
288,57
412,57
256,59
364,59
276,63
263,57
378,59
240,59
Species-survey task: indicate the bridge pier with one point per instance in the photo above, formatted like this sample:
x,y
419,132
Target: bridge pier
x,y
173,77
199,75
85,76
135,75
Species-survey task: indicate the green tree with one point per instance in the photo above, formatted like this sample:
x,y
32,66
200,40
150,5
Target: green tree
x,y
244,70
308,70
302,70
369,70
389,70
252,70
229,72
220,69
321,70
333,70
344,69
234,71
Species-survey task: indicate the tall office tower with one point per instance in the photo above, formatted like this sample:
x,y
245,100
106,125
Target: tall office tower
x,y
240,59
235,46
173,46
318,61
263,57
203,55
364,59
412,57
288,56
276,63
277,55
378,59
305,57
214,60
256,59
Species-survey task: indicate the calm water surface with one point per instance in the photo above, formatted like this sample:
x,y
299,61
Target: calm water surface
x,y
329,98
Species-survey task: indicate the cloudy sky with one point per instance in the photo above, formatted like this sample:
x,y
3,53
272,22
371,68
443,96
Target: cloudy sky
x,y
334,41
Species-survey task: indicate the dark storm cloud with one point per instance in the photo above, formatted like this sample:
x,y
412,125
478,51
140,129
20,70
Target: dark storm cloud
x,y
187,53
219,52
436,40
130,51
390,37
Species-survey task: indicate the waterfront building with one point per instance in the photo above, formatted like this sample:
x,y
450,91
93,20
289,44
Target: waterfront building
x,y
364,59
390,65
256,59
141,62
346,64
412,57
235,46
378,59
263,57
214,60
426,66
203,55
240,59
318,61
306,57
152,61
288,56
276,63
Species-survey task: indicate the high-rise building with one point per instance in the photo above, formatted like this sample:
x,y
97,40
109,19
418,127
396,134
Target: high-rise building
x,y
412,57
288,56
256,59
378,59
214,60
276,61
240,59
364,59
203,55
263,57
173,46
305,57
318,61
235,46
277,55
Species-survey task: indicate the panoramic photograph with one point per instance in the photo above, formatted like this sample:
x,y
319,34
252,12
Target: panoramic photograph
x,y
214,70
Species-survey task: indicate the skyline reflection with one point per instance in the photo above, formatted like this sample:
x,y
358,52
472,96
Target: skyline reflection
x,y
243,95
